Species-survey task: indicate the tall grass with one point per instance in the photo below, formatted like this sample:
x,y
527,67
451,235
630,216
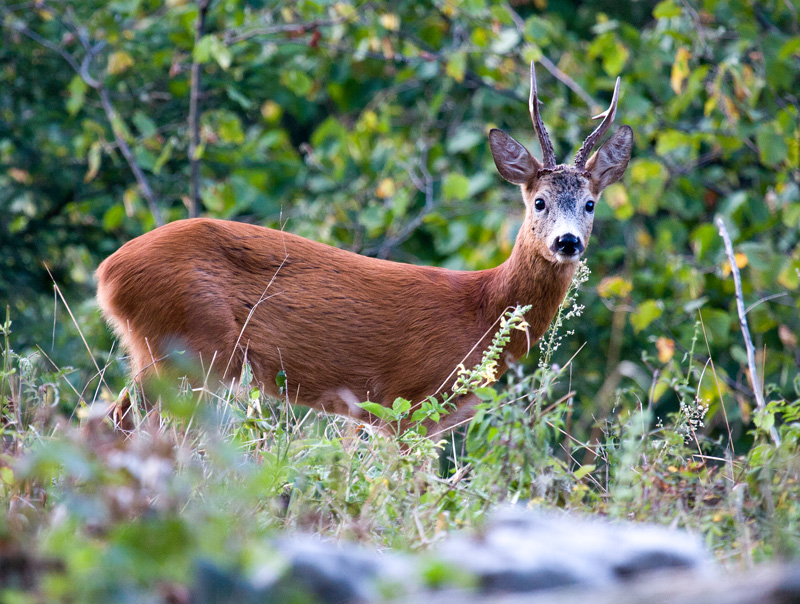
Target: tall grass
x,y
212,475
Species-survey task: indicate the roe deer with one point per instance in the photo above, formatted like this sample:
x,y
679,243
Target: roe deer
x,y
347,328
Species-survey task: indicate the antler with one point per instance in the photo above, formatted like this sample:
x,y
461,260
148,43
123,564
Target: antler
x,y
548,156
608,117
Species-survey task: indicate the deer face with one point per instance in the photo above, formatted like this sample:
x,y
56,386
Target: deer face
x,y
560,208
560,199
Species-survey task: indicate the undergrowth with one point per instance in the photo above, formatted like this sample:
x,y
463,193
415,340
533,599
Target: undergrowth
x,y
95,515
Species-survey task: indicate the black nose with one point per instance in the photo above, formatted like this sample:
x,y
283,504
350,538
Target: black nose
x,y
568,244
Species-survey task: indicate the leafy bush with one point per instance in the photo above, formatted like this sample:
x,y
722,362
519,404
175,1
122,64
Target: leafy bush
x,y
363,126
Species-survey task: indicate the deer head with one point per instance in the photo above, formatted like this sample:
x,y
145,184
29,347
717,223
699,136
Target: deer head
x,y
560,199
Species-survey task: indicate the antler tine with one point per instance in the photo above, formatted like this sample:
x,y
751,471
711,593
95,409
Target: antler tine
x,y
608,117
548,155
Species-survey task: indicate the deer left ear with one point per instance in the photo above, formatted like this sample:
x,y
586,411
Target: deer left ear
x,y
608,163
513,160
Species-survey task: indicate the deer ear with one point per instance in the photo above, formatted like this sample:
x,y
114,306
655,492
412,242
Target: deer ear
x,y
514,162
608,163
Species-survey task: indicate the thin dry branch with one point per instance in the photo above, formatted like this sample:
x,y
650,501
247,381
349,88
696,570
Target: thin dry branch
x,y
553,68
194,112
755,381
125,149
82,69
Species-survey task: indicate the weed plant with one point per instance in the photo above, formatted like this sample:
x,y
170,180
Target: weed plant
x,y
96,515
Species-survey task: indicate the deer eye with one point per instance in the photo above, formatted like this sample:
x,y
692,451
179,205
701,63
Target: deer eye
x,y
539,204
590,206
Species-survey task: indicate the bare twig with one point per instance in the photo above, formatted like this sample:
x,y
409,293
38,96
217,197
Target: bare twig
x,y
82,69
125,149
553,68
232,37
194,111
748,341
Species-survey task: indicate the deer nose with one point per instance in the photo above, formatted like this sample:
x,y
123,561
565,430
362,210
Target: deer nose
x,y
568,245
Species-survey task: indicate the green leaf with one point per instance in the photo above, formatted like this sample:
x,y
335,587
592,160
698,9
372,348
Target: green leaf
x,y
297,82
764,420
666,10
648,311
583,471
377,410
144,124
220,53
230,128
400,407
455,186
113,217
772,148
465,138
202,50
77,95
163,158
505,41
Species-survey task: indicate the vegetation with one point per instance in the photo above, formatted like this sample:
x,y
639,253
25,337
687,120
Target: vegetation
x,y
363,124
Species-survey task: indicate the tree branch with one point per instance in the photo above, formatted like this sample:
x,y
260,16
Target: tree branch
x,y
82,69
553,68
748,341
194,112
125,149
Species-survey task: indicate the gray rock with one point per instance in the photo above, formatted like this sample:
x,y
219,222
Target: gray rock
x,y
518,551
524,551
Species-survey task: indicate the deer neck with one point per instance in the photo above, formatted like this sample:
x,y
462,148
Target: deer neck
x,y
528,278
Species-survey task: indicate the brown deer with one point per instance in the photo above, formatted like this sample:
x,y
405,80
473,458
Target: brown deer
x,y
347,328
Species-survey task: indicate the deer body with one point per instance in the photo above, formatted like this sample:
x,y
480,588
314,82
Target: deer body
x,y
347,328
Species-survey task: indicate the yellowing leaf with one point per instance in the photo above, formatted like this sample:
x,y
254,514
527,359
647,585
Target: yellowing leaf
x,y
787,338
345,10
7,475
643,239
386,46
94,162
457,66
741,262
448,10
129,199
614,287
271,111
731,112
385,189
666,349
118,62
390,21
680,70
617,198
23,177
648,311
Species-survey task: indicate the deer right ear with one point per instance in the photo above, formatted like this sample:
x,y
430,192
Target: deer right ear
x,y
514,162
608,163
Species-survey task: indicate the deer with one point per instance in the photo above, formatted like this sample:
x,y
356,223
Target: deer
x,y
346,328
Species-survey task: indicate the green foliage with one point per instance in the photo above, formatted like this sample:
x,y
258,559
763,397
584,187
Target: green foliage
x,y
364,126
371,135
